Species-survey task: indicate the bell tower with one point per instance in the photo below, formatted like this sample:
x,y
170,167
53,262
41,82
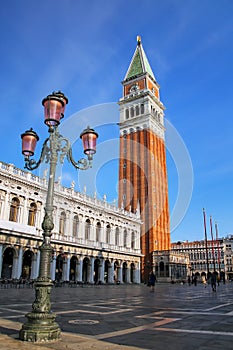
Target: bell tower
x,y
142,166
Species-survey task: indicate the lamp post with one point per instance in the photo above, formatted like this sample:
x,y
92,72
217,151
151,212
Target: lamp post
x,y
41,325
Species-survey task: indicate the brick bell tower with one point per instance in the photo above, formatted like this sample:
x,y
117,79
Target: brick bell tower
x,y
142,166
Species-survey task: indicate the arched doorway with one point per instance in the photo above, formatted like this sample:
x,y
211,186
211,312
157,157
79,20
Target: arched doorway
x,y
7,263
96,270
161,269
73,268
27,264
106,272
86,265
59,267
132,271
124,272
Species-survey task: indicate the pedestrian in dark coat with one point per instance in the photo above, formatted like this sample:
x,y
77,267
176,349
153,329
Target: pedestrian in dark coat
x,y
213,282
152,280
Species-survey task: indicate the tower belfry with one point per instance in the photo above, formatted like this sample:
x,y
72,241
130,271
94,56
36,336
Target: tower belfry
x,y
142,169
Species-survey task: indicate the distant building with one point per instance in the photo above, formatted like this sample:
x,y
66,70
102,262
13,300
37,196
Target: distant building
x,y
92,240
204,256
228,256
171,265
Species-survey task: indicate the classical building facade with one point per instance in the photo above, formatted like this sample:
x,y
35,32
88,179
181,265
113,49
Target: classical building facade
x,y
204,256
93,241
142,167
171,265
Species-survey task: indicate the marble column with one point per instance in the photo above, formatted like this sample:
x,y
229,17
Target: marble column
x,y
68,269
119,274
111,273
80,270
101,270
128,271
91,270
53,268
37,263
20,263
6,211
33,268
65,270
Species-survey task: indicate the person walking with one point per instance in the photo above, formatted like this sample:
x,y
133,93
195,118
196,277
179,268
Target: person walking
x,y
213,282
189,280
195,280
152,280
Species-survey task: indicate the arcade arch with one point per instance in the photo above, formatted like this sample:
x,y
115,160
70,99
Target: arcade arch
x,y
7,263
27,264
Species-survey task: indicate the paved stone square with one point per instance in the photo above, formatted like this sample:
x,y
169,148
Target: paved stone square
x,y
173,317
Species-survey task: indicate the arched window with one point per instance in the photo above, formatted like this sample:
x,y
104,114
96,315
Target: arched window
x,y
108,231
14,209
133,240
142,108
137,110
117,235
32,214
75,226
98,231
126,114
87,229
125,238
62,223
131,112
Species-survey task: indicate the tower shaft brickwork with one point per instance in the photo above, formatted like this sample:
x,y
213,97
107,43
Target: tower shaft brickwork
x,y
142,167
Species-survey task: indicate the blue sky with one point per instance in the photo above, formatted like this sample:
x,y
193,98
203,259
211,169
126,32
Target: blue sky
x,y
84,49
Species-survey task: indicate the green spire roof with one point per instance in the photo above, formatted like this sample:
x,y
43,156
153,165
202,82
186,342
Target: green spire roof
x,y
139,63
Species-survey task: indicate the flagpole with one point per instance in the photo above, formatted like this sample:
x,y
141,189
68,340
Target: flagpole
x,y
219,264
206,246
212,237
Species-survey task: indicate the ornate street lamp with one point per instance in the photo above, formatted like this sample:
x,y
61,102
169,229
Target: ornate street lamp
x,y
41,325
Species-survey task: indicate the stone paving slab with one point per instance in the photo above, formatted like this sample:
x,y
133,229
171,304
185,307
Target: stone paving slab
x,y
179,317
68,341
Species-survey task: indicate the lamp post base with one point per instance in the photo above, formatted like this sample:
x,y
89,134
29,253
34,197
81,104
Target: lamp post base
x,y
40,327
